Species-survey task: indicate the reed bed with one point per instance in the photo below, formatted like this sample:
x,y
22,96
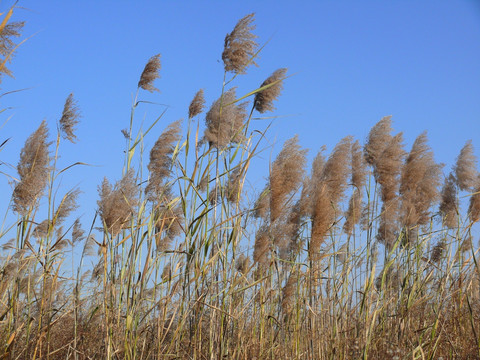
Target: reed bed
x,y
370,253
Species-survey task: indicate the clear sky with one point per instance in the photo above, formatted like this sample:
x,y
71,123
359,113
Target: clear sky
x,y
354,62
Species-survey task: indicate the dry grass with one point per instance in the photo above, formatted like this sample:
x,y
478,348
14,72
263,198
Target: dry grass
x,y
368,257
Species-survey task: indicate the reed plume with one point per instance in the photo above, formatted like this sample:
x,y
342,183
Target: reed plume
x,y
288,293
261,206
264,99
197,105
117,204
465,167
286,175
225,121
78,234
474,206
7,44
387,173
67,206
150,74
161,161
377,140
234,185
69,119
359,173
389,166
328,191
448,204
168,224
33,170
437,251
242,264
420,180
240,46
262,246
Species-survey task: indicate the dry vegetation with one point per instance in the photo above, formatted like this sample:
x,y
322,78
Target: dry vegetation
x,y
368,256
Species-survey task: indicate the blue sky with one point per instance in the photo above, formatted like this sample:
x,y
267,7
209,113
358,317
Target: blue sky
x,y
354,62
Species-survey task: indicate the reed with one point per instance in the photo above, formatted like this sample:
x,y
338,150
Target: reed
x,y
369,256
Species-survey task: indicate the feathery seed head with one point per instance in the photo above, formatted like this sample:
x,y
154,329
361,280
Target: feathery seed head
x,y
150,74
69,119
288,293
197,105
465,167
354,212
225,121
161,161
437,251
389,166
33,169
419,183
262,246
240,46
336,170
474,206
261,206
117,204
242,264
67,205
328,190
448,204
264,99
377,140
7,45
169,219
77,232
286,175
234,185
359,168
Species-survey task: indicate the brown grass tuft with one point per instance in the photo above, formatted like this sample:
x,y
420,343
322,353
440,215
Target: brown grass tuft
x,y
161,161
262,246
240,46
378,139
117,205
150,74
197,105
225,121
288,293
448,204
78,234
234,185
420,180
264,99
359,174
33,169
242,264
286,175
261,206
474,206
328,190
168,224
7,45
465,168
389,166
69,119
437,251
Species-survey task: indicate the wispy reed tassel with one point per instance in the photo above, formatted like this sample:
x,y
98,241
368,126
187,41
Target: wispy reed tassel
x,y
240,46
69,119
150,74
33,169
